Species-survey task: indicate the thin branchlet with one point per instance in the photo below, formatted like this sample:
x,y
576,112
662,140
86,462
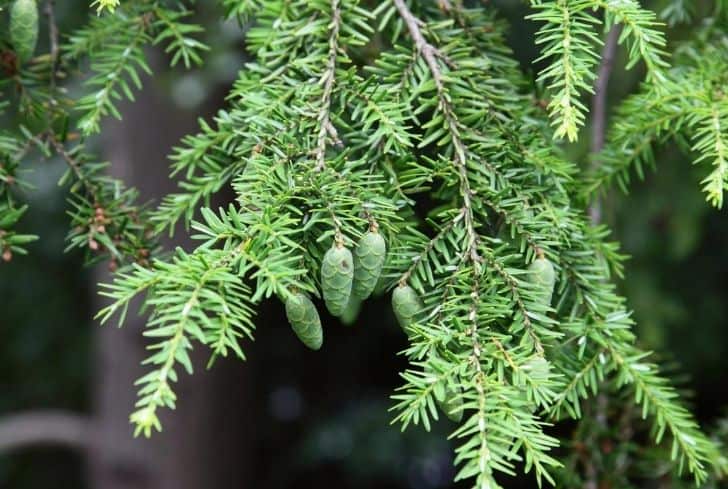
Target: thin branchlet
x,y
480,383
328,79
430,55
599,110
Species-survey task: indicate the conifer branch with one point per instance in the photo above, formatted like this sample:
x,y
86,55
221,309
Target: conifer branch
x,y
601,90
75,166
53,40
107,218
430,54
110,76
689,445
509,306
328,79
512,284
187,316
680,106
570,393
417,260
639,27
599,121
567,36
712,143
485,476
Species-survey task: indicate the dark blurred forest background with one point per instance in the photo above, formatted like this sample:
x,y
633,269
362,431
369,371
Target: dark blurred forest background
x,y
290,417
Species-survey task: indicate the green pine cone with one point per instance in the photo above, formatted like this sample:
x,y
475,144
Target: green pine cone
x,y
24,28
543,275
538,368
406,304
351,313
305,321
368,262
337,276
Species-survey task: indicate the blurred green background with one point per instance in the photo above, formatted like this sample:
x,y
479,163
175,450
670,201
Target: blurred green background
x,y
289,418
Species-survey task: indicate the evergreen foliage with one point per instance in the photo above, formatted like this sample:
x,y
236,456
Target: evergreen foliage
x,y
689,105
345,120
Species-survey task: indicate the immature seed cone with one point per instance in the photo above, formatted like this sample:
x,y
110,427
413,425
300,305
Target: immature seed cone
x,y
543,275
538,367
305,321
406,305
24,28
369,258
351,313
337,276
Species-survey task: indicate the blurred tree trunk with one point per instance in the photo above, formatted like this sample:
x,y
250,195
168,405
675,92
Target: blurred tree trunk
x,y
203,444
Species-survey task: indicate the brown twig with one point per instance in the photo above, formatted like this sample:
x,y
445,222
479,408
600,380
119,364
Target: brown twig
x,y
427,50
480,379
430,54
598,136
52,38
74,165
599,109
444,5
334,134
324,117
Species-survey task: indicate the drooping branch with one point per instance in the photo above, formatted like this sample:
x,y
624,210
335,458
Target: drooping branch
x,y
430,54
484,455
53,39
599,109
324,116
75,167
423,47
598,136
599,100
